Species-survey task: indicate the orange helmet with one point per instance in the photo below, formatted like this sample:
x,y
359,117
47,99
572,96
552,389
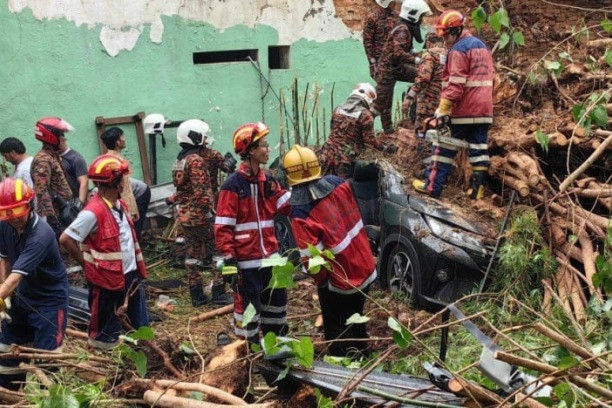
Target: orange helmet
x,y
107,168
248,134
15,197
449,19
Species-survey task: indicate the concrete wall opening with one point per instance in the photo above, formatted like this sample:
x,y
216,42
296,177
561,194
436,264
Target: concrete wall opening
x,y
218,57
279,57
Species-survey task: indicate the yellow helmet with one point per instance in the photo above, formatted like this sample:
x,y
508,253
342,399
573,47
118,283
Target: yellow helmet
x,y
301,165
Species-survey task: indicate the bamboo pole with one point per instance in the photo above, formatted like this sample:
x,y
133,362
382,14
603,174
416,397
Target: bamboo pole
x,y
588,162
213,313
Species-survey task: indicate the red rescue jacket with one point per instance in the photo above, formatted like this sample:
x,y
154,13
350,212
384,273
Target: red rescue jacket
x,y
102,250
467,80
244,225
334,222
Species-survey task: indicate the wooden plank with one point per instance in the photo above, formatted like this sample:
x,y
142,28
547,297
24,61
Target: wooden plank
x,y
142,146
101,128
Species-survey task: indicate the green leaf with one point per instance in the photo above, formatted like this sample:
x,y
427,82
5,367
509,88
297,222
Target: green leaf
x,y
185,347
401,336
140,361
494,22
606,25
282,374
274,260
196,395
282,277
328,254
554,66
504,39
322,400
565,394
304,351
400,340
608,57
270,344
479,16
314,251
533,77
518,38
316,261
143,333
394,324
578,111
356,318
248,315
599,116
567,362
503,17
565,55
128,339
543,140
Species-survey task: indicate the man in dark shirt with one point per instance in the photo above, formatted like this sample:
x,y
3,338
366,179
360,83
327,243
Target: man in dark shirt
x,y
32,270
75,169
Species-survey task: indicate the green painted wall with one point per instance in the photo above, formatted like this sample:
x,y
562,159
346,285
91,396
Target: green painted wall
x,y
53,68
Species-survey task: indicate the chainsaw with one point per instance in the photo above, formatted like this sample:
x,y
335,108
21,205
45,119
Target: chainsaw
x,y
439,134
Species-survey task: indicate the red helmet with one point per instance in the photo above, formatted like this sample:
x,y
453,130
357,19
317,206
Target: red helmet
x,y
15,197
449,19
107,168
50,129
248,134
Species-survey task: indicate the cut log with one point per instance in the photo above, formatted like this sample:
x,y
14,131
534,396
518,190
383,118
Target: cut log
x,y
227,369
600,43
203,388
213,313
465,388
520,186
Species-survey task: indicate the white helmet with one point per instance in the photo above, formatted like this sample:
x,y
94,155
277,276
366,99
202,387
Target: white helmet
x,y
366,92
193,132
154,123
412,10
384,3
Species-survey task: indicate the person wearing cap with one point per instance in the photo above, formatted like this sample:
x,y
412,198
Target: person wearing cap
x,y
245,235
33,280
109,254
324,214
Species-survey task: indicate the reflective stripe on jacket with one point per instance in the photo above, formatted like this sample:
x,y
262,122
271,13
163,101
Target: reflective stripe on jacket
x,y
468,80
244,225
334,223
102,250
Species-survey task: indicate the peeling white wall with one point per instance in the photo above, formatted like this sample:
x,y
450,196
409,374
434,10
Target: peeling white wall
x,y
123,21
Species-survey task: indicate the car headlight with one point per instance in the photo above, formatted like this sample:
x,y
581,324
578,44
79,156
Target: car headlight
x,y
450,234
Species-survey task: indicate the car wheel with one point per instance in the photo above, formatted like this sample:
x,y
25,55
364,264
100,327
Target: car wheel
x,y
404,272
284,236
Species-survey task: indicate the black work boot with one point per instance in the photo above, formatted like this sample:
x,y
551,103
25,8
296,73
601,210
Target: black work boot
x,y
476,191
198,298
219,296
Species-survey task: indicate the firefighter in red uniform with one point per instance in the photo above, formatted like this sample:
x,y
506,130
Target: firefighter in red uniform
x,y
376,28
109,253
244,233
324,214
466,101
397,63
195,199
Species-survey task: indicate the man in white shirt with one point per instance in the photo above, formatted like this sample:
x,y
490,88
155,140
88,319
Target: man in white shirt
x,y
13,150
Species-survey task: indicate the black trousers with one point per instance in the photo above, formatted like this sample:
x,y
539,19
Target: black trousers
x,y
336,309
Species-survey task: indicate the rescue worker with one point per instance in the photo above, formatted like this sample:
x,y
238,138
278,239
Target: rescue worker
x,y
396,62
114,141
32,270
352,131
425,91
466,102
195,212
376,28
324,214
109,254
47,173
215,163
244,233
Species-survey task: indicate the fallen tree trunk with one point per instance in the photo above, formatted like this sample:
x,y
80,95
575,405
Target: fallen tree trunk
x,y
203,388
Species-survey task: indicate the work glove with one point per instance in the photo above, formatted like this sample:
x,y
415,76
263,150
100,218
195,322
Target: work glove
x,y
228,277
389,147
373,68
230,162
443,112
5,305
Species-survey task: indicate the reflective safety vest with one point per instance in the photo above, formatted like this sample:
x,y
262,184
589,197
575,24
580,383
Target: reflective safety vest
x,y
102,249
